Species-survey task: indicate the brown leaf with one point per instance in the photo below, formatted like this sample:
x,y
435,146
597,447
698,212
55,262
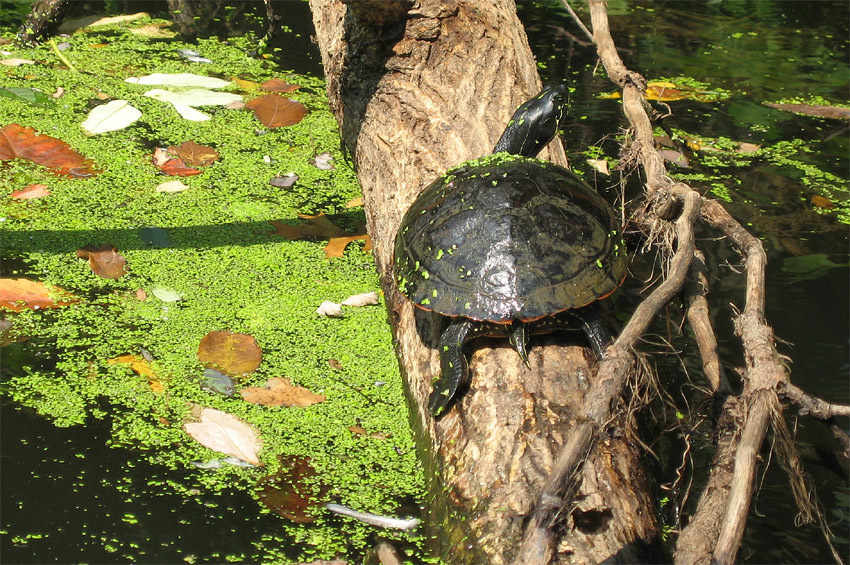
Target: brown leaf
x,y
280,392
832,112
24,294
226,434
274,111
195,154
334,364
822,202
288,493
173,166
231,353
23,143
104,260
279,85
30,192
320,226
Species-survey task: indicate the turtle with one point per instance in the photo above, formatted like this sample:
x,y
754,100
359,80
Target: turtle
x,y
508,245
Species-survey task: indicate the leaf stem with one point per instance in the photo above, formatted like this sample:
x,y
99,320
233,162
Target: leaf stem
x,y
60,55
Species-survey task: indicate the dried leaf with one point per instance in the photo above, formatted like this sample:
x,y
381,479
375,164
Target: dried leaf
x,y
329,309
231,353
153,30
195,154
600,165
172,186
822,202
245,84
225,433
274,111
365,299
172,166
279,85
16,62
287,492
94,21
832,112
141,367
24,294
280,392
354,202
181,80
104,260
30,192
320,226
323,161
23,143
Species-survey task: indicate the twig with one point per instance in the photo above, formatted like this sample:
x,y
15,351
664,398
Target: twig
x,y
59,54
577,20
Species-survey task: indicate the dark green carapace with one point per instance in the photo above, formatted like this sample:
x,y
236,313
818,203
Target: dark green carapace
x,y
508,245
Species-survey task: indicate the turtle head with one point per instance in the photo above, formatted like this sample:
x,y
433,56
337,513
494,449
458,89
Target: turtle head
x,y
534,123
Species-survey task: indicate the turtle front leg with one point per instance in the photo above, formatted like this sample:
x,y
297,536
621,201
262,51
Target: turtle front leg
x,y
454,369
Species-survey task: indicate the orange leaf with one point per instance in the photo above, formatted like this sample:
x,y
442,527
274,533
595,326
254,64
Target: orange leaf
x,y
30,192
24,294
104,260
195,154
23,143
231,353
280,392
137,363
279,85
274,111
320,226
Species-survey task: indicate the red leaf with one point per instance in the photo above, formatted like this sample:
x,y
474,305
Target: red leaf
x,y
30,192
23,143
104,260
24,294
274,111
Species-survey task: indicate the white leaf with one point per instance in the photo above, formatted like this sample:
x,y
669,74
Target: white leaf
x,y
365,299
188,113
331,309
172,186
16,62
179,79
111,116
600,165
226,434
93,21
166,294
194,97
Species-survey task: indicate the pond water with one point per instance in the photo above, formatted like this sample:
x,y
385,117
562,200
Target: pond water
x,y
100,504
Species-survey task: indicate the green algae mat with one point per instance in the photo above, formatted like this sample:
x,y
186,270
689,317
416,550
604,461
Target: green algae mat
x,y
177,255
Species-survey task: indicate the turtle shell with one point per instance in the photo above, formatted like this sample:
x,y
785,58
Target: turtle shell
x,y
507,238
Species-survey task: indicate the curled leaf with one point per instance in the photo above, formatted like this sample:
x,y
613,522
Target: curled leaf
x,y
330,309
365,299
104,260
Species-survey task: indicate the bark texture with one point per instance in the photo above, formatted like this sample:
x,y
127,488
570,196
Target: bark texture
x,y
419,87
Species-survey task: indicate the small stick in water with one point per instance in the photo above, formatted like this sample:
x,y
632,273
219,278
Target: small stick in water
x,y
374,519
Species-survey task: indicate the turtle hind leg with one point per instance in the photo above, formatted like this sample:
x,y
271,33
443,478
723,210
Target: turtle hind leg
x,y
518,336
594,328
454,369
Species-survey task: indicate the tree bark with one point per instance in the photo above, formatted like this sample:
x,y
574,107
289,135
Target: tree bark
x,y
418,87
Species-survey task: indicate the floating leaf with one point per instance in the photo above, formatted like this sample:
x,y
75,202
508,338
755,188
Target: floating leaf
x,y
320,226
280,392
365,299
192,56
274,111
172,166
104,260
181,80
676,157
30,192
24,294
817,110
231,353
288,492
28,95
94,21
155,237
817,200
284,181
225,433
279,85
172,186
155,31
184,102
329,309
166,294
112,116
245,84
195,154
218,382
23,143
354,202
16,62
323,161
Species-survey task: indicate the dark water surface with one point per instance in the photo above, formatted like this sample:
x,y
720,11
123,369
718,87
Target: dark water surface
x,y
64,503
